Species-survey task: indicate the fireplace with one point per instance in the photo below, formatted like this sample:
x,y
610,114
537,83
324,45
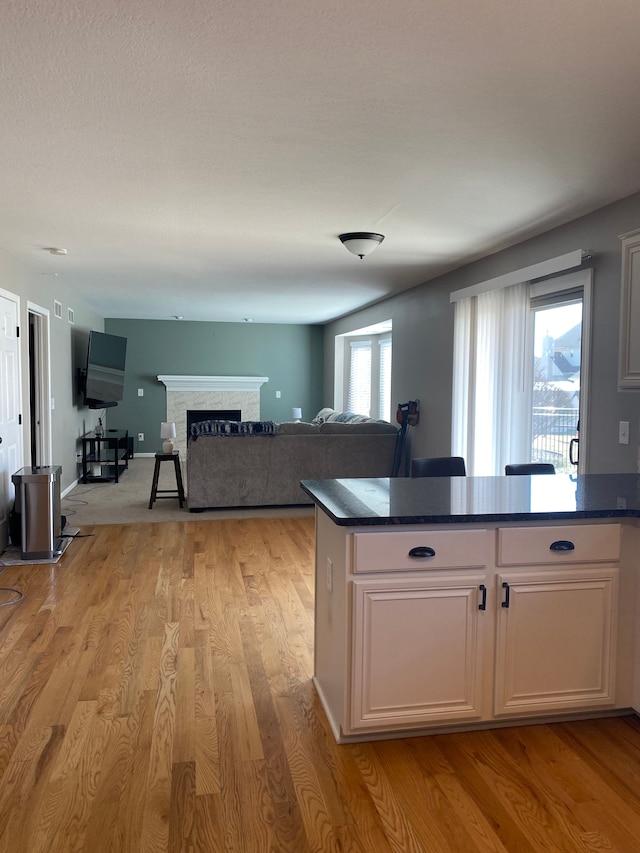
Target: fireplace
x,y
210,396
195,415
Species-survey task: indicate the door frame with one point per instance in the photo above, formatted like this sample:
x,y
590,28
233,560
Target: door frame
x,y
558,284
4,519
40,373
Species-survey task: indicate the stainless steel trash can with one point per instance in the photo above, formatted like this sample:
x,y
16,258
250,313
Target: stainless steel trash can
x,y
38,505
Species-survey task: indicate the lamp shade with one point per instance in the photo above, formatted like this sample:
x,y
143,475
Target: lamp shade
x,y
296,413
167,432
361,243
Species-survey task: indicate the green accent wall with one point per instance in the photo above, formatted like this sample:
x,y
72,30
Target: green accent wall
x,y
291,356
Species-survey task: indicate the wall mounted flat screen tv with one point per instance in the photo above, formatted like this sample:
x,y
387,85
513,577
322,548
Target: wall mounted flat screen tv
x,y
104,378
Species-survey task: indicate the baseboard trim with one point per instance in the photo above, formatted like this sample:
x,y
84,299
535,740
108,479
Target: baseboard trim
x,y
69,488
78,482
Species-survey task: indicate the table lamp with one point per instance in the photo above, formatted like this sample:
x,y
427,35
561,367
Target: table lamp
x,y
167,432
296,413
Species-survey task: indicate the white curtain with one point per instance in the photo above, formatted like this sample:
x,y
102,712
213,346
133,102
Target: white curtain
x,y
490,397
384,396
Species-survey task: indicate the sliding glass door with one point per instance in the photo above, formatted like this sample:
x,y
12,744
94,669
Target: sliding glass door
x,y
521,357
555,392
560,352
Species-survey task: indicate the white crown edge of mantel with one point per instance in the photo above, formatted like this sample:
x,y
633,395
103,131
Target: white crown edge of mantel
x,y
214,383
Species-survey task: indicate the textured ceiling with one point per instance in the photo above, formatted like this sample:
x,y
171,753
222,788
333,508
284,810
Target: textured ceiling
x,y
200,158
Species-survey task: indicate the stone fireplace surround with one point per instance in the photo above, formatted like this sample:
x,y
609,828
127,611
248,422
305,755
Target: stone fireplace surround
x,y
209,392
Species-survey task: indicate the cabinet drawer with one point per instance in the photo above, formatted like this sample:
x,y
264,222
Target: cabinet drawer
x,y
388,552
528,546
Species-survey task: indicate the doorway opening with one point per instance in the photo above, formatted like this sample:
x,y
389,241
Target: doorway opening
x,y
39,435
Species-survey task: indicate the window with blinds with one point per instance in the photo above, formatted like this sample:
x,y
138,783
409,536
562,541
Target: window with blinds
x,y
359,392
369,377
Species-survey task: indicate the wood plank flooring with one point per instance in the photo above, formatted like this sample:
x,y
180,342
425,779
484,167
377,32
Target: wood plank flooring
x,y
156,695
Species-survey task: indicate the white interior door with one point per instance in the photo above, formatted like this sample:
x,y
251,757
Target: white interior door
x,y
10,429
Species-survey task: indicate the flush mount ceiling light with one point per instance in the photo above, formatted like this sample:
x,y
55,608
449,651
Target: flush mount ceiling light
x,y
361,243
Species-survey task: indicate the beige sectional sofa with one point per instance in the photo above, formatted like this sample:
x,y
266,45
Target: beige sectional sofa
x,y
265,470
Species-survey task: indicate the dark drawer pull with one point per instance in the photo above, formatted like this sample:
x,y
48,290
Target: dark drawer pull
x,y
422,551
562,545
483,592
507,595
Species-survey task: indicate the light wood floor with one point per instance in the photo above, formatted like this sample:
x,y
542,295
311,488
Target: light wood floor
x,y
155,695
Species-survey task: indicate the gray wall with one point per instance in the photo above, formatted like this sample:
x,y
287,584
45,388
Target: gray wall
x,y
423,337
291,356
68,420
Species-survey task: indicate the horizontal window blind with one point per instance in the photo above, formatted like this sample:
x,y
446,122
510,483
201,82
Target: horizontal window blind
x,y
359,395
384,399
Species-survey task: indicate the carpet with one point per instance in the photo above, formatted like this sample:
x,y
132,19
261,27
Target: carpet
x,y
127,501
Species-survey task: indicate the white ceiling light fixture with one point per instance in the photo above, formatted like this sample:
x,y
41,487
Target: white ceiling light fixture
x,y
361,243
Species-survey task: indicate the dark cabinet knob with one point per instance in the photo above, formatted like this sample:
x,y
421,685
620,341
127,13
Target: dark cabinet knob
x,y
422,551
562,545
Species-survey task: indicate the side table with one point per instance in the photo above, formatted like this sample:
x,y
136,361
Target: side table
x,y
157,493
109,451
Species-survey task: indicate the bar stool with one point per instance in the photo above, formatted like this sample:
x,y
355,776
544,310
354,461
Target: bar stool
x,y
529,468
438,466
157,493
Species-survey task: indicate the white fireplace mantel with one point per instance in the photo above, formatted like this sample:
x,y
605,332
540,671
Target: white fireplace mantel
x,y
214,383
202,393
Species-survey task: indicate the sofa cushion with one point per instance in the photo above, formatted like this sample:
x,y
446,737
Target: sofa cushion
x,y
297,428
367,428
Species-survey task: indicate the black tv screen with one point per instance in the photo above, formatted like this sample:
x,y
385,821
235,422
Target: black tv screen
x,y
104,379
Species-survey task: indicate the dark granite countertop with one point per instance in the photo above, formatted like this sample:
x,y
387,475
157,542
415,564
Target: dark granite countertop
x,y
450,500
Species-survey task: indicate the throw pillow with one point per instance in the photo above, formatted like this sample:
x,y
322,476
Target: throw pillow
x,y
322,416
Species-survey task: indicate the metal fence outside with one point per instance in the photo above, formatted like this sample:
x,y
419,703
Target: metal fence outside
x,y
551,431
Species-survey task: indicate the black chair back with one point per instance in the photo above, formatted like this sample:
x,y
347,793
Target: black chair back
x,y
530,468
438,466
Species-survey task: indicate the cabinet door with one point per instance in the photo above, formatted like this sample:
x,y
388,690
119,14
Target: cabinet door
x,y
417,650
556,640
629,361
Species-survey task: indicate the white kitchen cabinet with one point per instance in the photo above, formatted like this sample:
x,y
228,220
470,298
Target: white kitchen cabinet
x,y
629,361
417,650
556,640
557,622
412,634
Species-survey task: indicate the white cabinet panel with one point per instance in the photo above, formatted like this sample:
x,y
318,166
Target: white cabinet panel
x,y
556,640
416,651
629,363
